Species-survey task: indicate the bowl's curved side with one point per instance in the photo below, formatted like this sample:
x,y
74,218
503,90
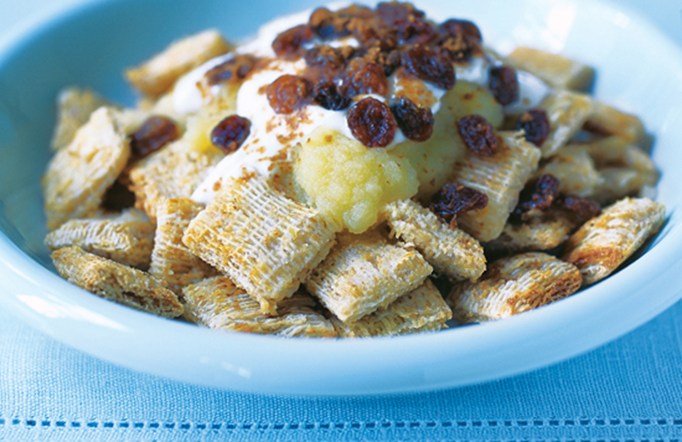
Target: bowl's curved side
x,y
273,365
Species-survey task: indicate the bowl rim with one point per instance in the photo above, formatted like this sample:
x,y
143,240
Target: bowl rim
x,y
66,308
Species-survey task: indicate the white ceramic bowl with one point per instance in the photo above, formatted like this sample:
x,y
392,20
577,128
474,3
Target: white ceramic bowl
x,y
638,69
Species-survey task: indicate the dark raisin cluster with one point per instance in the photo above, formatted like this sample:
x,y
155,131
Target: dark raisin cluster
x,y
455,199
392,36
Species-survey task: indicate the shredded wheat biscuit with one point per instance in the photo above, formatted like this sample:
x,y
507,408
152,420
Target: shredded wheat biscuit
x,y
116,282
423,309
126,238
157,75
566,112
606,241
514,285
79,175
218,303
172,262
543,232
556,70
364,273
451,252
265,242
501,177
172,172
624,168
609,120
575,169
74,107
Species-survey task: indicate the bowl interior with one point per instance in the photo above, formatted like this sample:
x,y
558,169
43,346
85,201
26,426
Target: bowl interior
x,y
638,70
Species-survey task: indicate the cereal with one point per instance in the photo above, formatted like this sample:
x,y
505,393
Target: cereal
x,y
451,251
158,75
80,174
333,176
115,281
266,243
74,107
127,238
364,273
171,261
604,242
422,309
217,303
514,285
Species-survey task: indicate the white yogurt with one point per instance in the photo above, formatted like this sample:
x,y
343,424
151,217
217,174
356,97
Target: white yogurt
x,y
273,134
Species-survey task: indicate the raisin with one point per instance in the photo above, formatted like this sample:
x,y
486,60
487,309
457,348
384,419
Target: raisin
x,y
454,199
582,208
478,135
431,65
372,123
503,84
234,69
230,133
289,43
324,56
155,133
457,27
363,77
327,95
415,122
407,22
461,38
535,126
537,195
327,25
288,93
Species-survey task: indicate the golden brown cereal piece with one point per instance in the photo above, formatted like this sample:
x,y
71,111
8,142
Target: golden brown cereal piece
x,y
451,252
422,309
364,273
266,243
116,282
566,112
172,172
576,171
605,242
501,177
172,262
514,285
217,303
157,75
624,169
79,175
126,238
556,70
74,106
543,232
609,120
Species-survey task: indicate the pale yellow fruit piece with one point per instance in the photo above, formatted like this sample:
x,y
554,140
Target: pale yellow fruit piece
x,y
433,160
576,171
349,183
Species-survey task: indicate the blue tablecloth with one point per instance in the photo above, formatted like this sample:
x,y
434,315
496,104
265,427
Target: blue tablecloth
x,y
628,390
